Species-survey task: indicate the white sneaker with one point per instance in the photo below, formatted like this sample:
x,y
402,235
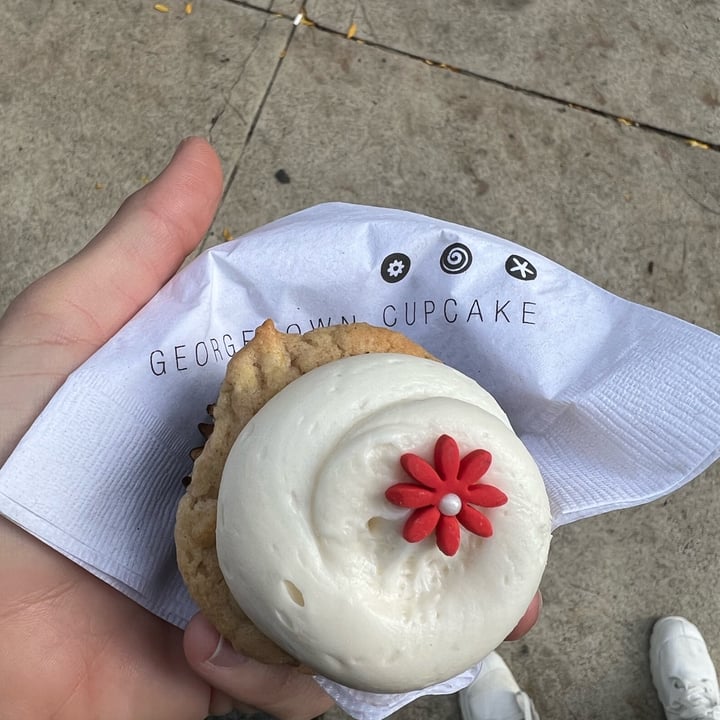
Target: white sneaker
x,y
682,671
494,695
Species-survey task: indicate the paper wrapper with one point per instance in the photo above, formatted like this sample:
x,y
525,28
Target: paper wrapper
x,y
618,403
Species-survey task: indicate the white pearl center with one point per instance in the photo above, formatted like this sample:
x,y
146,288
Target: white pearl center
x,y
451,504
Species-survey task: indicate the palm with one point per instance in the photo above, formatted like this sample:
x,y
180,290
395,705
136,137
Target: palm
x,y
96,653
99,654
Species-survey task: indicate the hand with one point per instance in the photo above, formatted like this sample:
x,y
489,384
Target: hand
x,y
72,647
531,616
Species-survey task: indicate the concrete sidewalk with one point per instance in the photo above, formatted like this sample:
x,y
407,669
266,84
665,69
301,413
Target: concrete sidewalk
x,y
587,131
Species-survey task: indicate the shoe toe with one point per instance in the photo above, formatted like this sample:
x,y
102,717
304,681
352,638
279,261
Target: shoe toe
x,y
492,695
679,658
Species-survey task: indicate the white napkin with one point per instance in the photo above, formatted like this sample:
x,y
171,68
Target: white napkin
x,y
619,404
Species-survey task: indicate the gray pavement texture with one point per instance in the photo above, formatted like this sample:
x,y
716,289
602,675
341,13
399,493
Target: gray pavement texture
x,y
587,130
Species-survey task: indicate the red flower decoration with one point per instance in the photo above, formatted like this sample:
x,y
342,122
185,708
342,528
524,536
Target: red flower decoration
x,y
443,498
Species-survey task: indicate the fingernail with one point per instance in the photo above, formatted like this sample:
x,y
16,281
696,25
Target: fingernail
x,y
186,141
225,656
179,147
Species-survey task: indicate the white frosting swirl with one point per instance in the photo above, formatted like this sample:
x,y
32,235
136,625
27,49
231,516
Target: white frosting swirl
x,y
313,551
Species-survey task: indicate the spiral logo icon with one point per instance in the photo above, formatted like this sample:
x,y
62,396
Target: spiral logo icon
x,y
456,259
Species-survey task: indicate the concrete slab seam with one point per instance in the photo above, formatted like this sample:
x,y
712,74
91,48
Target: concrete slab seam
x,y
256,117
622,120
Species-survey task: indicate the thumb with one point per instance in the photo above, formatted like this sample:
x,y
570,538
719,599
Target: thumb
x,y
96,292
61,319
275,689
531,616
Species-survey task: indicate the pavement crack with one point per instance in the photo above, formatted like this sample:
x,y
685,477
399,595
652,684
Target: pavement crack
x,y
228,94
700,203
359,5
214,121
564,102
230,180
269,87
232,174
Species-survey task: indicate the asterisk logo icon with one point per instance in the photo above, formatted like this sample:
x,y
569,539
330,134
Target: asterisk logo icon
x,y
520,268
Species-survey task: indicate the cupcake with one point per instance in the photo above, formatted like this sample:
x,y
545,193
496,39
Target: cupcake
x,y
361,510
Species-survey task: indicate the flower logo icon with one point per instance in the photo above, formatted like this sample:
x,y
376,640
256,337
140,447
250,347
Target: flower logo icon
x,y
395,267
442,497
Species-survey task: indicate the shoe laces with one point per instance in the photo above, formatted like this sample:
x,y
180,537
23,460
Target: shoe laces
x,y
696,701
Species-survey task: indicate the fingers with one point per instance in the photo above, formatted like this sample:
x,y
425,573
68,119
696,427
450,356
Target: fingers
x,y
528,619
278,690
